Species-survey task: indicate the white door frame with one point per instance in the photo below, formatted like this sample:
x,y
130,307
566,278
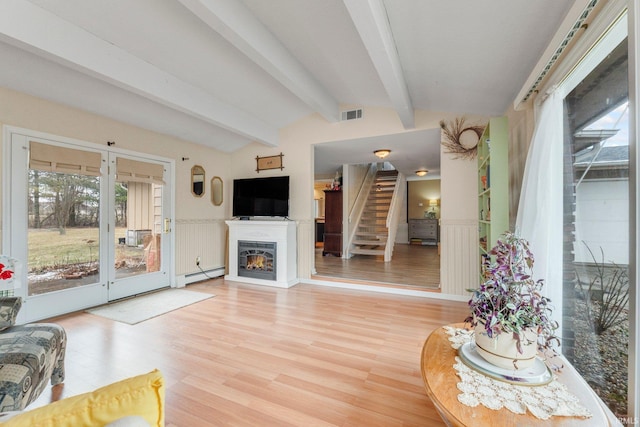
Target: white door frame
x,y
145,282
14,242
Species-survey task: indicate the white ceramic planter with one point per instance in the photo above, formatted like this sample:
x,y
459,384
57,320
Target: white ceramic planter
x,y
501,350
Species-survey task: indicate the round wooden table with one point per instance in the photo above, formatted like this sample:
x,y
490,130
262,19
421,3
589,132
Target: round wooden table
x,y
440,380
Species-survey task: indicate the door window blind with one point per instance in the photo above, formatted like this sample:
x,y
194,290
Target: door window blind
x,y
137,171
54,158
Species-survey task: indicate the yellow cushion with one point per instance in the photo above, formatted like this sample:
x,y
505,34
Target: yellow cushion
x,y
142,395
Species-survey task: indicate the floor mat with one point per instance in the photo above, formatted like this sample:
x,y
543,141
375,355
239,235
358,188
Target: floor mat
x,y
138,309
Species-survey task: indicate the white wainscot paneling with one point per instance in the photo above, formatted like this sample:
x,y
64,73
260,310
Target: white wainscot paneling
x,y
459,263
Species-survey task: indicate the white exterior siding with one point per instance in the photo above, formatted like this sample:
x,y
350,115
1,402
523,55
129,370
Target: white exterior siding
x,y
602,220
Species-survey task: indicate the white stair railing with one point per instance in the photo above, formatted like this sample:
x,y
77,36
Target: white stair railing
x,y
393,218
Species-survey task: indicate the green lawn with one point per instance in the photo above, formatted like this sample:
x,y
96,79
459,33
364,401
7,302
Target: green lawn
x,y
48,248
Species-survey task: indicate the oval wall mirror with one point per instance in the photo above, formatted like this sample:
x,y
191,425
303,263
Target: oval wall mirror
x,y
216,191
197,181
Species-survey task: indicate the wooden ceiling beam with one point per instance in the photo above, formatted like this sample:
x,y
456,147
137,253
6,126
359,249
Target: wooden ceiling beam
x,y
372,23
235,22
78,49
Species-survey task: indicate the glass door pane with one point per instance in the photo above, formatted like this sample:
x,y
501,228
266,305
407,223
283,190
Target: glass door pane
x,y
139,192
138,233
63,231
57,227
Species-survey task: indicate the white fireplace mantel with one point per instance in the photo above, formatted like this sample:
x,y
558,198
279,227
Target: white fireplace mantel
x,y
282,232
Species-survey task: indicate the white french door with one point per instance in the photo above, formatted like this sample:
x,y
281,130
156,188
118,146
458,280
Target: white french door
x,y
89,225
142,225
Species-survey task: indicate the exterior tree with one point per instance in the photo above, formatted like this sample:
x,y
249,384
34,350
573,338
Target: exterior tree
x,y
64,200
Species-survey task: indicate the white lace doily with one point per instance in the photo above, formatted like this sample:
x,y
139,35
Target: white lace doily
x,y
543,402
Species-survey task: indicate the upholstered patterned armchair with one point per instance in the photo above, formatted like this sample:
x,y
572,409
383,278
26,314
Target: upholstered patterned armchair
x,y
31,355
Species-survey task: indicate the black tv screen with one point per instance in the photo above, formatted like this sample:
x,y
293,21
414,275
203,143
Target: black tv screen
x,y
261,196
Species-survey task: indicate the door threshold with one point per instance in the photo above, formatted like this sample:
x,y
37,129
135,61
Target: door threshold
x,y
431,288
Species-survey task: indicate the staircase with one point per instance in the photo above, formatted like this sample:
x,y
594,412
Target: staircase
x,y
372,233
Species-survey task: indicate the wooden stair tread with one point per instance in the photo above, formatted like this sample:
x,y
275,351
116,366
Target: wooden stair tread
x,y
369,242
368,251
372,233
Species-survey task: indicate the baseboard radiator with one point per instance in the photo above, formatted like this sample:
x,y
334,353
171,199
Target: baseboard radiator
x,y
211,273
200,238
459,256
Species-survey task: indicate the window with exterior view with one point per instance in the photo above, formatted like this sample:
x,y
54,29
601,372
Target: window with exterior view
x,y
63,218
596,229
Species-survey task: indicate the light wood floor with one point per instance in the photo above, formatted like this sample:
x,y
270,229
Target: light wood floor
x,y
411,265
262,356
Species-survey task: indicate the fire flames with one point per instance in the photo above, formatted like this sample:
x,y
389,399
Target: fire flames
x,y
258,262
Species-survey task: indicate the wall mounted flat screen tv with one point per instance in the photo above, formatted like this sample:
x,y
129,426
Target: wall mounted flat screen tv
x,y
261,197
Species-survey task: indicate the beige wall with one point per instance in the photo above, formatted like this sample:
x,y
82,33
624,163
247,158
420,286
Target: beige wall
x,y
298,139
296,143
420,192
24,111
356,175
32,113
353,179
458,187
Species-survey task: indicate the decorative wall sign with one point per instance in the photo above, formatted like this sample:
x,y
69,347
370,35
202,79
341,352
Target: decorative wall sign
x,y
461,139
270,162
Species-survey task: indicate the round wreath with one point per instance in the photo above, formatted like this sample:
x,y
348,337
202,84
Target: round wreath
x,y
453,132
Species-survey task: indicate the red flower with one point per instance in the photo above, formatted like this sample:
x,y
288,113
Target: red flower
x,y
5,274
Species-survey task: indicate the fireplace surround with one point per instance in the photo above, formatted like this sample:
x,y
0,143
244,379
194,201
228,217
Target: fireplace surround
x,y
263,242
257,259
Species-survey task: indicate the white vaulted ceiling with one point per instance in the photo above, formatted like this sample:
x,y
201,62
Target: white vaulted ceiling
x,y
224,73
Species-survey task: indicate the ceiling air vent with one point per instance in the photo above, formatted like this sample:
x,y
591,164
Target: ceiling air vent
x,y
352,114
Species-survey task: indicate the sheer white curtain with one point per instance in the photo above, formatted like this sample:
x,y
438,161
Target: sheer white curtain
x,y
539,218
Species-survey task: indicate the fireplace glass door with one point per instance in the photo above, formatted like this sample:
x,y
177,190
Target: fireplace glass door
x,y
257,259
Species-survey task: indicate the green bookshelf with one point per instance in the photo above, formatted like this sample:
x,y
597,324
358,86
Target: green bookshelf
x,y
493,185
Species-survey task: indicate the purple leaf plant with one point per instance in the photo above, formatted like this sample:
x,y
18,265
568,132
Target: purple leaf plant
x,y
510,301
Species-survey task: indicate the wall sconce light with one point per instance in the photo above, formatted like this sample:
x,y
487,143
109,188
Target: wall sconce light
x,y
382,153
421,172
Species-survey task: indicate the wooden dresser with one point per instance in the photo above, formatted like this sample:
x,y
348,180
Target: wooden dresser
x,y
424,229
332,223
